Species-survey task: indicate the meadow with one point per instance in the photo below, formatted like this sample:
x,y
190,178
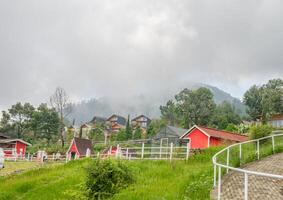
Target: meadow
x,y
190,179
179,179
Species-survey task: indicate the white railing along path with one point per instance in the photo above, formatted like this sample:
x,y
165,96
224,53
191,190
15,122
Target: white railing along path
x,y
244,171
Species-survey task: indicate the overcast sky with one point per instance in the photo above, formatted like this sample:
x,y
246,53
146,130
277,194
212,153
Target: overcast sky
x,y
126,47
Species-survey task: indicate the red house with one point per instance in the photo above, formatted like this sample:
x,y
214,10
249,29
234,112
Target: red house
x,y
13,147
203,137
79,148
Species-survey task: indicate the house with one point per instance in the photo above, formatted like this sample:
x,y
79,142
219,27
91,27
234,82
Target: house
x,y
97,120
116,122
202,137
13,147
142,121
3,136
276,121
171,133
79,147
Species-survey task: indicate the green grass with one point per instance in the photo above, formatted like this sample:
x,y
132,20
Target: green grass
x,y
190,179
17,167
51,182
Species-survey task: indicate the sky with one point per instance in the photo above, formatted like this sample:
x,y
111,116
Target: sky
x,y
119,48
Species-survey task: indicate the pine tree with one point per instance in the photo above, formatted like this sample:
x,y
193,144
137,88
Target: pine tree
x,y
128,129
138,133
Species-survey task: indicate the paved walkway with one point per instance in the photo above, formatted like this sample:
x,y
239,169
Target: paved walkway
x,y
259,187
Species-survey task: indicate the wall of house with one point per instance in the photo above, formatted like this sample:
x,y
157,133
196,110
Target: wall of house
x,y
198,139
214,142
73,149
20,146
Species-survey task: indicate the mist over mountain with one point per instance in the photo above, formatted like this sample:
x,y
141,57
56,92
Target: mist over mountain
x,y
147,104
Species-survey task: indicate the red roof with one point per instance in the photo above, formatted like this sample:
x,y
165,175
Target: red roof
x,y
219,134
276,117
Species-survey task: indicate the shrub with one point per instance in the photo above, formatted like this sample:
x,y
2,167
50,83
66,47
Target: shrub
x,y
107,177
260,131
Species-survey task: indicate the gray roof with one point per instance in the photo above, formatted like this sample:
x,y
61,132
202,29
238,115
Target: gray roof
x,y
170,131
177,130
98,119
120,120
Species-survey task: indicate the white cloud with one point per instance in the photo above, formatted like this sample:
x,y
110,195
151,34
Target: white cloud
x,y
126,47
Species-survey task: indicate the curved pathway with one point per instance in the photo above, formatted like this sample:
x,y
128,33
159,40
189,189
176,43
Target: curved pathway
x,y
259,187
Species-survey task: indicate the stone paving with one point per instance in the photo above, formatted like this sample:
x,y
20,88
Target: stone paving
x,y
259,187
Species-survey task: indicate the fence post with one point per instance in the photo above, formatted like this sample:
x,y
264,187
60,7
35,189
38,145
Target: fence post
x,y
215,174
188,151
31,157
219,183
228,159
160,148
142,150
117,151
127,153
171,150
246,187
273,145
257,149
28,156
53,156
240,152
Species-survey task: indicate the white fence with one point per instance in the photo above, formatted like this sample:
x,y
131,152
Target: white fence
x,y
152,152
258,145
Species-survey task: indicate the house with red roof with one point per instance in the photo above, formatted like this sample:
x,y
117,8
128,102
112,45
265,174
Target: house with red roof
x,y
202,137
13,147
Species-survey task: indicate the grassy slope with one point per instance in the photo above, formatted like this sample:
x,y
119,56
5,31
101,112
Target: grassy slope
x,y
154,180
176,180
45,183
16,167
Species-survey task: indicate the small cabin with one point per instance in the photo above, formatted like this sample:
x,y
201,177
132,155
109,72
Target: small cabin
x,y
79,147
202,137
171,134
13,147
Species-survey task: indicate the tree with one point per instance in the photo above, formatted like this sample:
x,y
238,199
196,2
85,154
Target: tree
x,y
155,126
98,132
20,115
190,107
121,135
128,129
264,101
5,125
224,115
169,113
60,102
81,131
45,123
137,134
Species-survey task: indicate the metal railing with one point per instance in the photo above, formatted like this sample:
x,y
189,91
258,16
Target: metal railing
x,y
241,152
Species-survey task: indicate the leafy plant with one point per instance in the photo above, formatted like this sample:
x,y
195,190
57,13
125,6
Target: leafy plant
x,y
107,177
260,131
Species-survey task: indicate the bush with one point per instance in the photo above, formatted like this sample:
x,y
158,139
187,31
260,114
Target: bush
x,y
256,132
107,177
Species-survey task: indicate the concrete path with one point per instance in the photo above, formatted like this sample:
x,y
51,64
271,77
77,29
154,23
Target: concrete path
x,y
259,187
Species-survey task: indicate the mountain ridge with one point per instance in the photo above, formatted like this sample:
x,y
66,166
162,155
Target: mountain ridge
x,y
147,104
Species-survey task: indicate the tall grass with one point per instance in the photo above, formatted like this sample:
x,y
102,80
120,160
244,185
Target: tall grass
x,y
190,179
